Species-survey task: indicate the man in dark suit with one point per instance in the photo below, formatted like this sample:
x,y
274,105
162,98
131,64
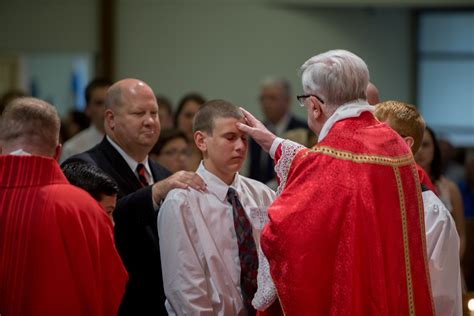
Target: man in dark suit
x,y
132,128
275,102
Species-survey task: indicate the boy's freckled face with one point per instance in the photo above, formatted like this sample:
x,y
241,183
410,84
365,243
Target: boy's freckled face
x,y
226,147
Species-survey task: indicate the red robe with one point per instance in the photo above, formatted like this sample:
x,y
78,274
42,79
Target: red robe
x,y
424,179
346,236
57,252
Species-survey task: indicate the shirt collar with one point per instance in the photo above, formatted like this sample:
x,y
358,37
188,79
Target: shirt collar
x,y
347,110
130,161
20,152
215,185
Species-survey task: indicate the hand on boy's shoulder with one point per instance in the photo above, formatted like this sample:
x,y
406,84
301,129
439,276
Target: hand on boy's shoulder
x,y
178,180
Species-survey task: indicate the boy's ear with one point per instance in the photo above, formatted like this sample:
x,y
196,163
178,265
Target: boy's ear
x,y
409,140
200,140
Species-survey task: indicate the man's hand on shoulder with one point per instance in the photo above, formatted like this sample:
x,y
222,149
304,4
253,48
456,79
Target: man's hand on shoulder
x,y
179,180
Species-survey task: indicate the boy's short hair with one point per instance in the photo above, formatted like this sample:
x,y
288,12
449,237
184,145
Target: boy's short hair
x,y
404,119
91,179
211,110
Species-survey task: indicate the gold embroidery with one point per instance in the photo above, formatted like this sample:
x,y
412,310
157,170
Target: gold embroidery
x,y
406,249
421,214
363,158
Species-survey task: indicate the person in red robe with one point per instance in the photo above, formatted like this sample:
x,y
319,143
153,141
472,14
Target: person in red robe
x,y
346,234
57,252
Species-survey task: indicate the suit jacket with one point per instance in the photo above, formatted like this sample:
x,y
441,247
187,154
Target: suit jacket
x,y
136,234
261,168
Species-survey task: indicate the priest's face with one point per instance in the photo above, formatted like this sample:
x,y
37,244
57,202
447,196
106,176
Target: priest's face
x,y
225,149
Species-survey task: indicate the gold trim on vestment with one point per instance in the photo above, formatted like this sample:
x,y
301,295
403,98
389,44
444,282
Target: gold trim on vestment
x,y
421,214
406,247
363,158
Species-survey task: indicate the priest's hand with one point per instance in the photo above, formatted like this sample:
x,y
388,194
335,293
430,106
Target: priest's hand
x,y
178,180
256,130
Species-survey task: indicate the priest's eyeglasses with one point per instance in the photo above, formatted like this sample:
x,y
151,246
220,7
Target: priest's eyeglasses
x,y
303,97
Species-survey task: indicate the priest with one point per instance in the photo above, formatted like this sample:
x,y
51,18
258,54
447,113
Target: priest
x,y
57,252
345,236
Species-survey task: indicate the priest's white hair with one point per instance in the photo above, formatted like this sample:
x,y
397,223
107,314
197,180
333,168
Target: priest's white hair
x,y
336,76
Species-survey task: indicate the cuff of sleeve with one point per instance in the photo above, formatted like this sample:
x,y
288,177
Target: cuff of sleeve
x,y
274,146
156,206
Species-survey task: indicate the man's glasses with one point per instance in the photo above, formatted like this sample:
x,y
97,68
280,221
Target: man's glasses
x,y
303,97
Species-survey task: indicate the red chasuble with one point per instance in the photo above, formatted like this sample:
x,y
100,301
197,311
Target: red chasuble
x,y
346,236
57,253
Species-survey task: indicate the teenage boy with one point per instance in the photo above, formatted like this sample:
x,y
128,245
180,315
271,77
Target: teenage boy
x,y
442,240
208,245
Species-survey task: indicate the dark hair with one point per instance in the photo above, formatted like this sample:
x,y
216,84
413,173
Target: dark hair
x,y
165,137
94,84
80,118
435,165
164,103
211,110
196,97
90,178
8,96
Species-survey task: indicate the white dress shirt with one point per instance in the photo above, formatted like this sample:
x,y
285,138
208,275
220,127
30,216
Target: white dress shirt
x,y
81,142
132,163
198,244
442,246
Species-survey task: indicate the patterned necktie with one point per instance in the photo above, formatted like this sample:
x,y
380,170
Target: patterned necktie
x,y
141,175
247,252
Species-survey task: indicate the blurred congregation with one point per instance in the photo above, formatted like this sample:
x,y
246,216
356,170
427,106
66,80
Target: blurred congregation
x,y
122,61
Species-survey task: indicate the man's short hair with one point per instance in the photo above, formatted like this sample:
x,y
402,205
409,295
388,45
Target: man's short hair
x,y
282,83
8,96
30,121
210,111
91,179
336,76
404,119
94,84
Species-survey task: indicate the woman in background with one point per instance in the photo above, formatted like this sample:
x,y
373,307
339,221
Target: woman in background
x,y
187,109
429,158
172,150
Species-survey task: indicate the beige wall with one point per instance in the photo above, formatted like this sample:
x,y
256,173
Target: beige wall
x,y
48,26
220,48
224,49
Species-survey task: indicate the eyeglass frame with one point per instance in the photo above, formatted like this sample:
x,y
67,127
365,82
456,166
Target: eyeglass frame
x,y
304,96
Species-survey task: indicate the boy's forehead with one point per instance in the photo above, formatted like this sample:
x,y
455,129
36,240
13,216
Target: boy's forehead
x,y
226,124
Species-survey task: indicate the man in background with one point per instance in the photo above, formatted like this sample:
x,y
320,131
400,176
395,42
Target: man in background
x,y
275,103
95,94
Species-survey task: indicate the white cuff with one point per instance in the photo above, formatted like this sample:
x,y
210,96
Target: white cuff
x,y
276,142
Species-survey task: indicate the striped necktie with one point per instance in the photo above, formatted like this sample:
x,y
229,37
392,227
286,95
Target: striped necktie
x,y
247,251
142,175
